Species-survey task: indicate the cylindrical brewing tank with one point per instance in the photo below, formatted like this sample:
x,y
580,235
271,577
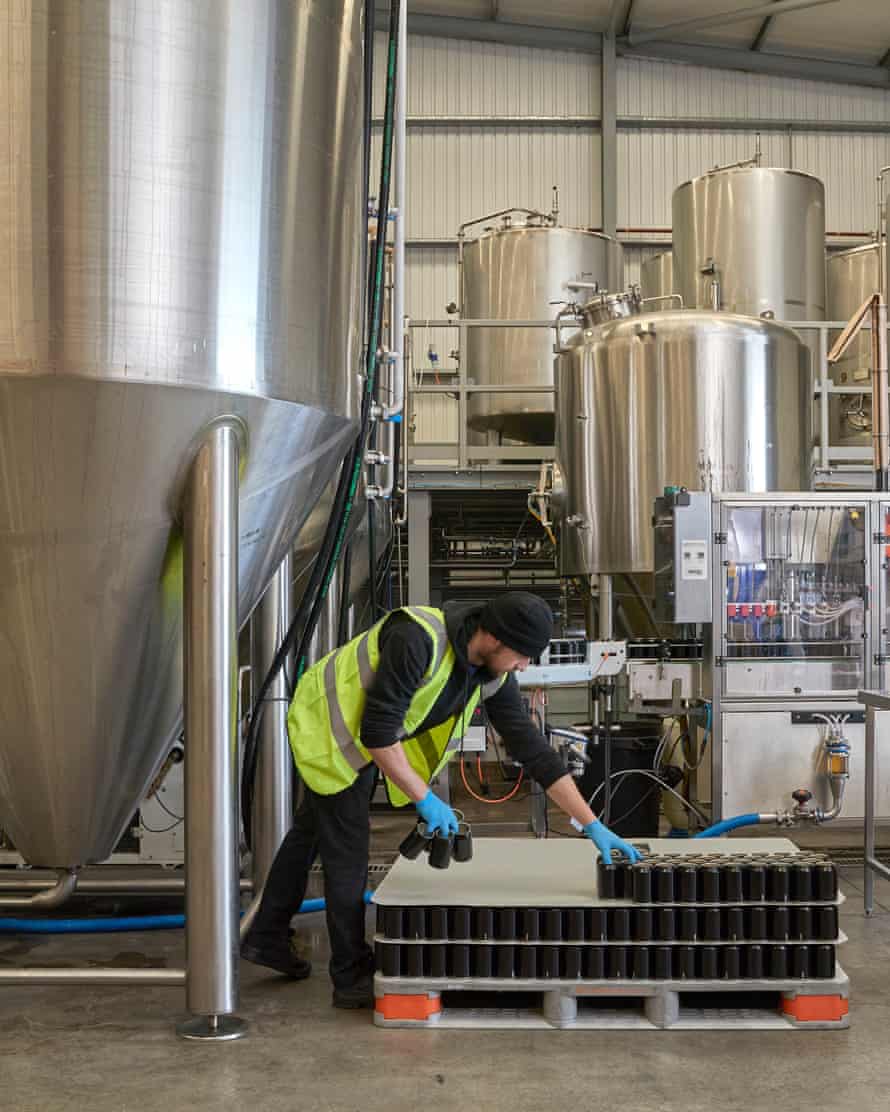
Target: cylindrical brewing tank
x,y
179,243
759,232
657,276
518,272
852,278
709,401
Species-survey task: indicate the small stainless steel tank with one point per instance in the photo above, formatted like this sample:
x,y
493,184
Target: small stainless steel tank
x,y
709,401
657,276
518,272
852,277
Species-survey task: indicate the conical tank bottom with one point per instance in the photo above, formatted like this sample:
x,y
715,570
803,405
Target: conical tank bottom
x,y
91,474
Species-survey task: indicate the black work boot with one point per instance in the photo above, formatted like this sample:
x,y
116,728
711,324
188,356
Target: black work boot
x,y
359,995
275,953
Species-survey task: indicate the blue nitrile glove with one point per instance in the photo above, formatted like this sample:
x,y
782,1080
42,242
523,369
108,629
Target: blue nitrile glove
x,y
438,816
605,841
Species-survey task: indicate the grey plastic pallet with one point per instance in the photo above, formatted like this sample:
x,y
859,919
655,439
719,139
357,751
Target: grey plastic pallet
x,y
569,1005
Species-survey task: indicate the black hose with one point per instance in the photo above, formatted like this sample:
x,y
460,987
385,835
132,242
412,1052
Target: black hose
x,y
345,595
313,598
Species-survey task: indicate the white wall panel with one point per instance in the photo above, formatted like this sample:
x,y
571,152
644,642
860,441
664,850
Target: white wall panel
x,y
848,164
649,88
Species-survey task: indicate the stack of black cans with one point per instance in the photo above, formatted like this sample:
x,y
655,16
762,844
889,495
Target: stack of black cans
x,y
722,916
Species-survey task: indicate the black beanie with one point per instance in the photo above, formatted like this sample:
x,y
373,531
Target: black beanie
x,y
522,621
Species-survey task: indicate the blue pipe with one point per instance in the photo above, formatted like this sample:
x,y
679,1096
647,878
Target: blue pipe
x,y
726,825
131,923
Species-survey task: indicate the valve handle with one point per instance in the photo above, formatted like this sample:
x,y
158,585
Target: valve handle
x,y
801,796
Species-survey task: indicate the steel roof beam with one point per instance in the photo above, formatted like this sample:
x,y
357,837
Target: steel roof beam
x,y
721,19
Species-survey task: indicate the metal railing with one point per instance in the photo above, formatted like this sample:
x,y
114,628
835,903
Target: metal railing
x,y
850,462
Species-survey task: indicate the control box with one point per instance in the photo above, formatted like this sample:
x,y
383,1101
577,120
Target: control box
x,y
682,525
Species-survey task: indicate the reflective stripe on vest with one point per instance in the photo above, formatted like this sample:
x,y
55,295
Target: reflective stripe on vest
x,y
324,719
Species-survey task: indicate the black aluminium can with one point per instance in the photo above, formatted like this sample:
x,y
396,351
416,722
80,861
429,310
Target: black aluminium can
x,y
800,961
414,844
663,964
607,875
619,926
505,923
688,927
482,960
731,883
731,958
571,963
824,964
459,926
825,881
438,923
780,926
436,961
575,926
826,923
440,851
484,925
778,962
548,962
642,884
392,921
663,884
641,924
529,928
758,924
755,883
596,924
416,923
802,924
463,844
528,968
460,960
505,961
712,924
594,963
709,884
616,962
778,883
412,961
709,969
686,883
684,962
553,925
753,956
665,924
388,959
735,924
801,883
641,963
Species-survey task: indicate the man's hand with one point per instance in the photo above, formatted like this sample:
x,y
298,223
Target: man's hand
x,y
605,841
438,816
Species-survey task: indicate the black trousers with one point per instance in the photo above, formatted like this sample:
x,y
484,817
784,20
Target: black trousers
x,y
338,828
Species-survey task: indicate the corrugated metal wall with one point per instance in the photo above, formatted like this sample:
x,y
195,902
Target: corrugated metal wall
x,y
459,172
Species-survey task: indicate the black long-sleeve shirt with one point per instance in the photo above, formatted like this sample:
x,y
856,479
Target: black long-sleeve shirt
x,y
406,650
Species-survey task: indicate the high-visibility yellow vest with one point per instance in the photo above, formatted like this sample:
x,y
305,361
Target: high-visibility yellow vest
x,y
324,720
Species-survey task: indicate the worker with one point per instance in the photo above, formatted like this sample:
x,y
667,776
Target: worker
x,y
390,701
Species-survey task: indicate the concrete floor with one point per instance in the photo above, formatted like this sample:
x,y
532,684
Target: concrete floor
x,y
111,1050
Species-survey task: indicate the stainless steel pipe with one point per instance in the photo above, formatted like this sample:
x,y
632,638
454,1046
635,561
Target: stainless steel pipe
x,y
274,779
93,976
27,881
46,898
210,587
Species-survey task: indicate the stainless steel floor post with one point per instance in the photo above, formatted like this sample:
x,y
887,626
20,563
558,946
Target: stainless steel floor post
x,y
869,898
211,747
273,809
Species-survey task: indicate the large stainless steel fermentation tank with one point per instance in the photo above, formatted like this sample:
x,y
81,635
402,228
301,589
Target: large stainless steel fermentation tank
x,y
521,272
753,238
709,401
657,275
179,236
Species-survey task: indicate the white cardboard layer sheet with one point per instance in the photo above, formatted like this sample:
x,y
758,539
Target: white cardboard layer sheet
x,y
533,872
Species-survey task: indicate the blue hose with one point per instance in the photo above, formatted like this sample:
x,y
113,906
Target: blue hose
x,y
726,825
111,926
